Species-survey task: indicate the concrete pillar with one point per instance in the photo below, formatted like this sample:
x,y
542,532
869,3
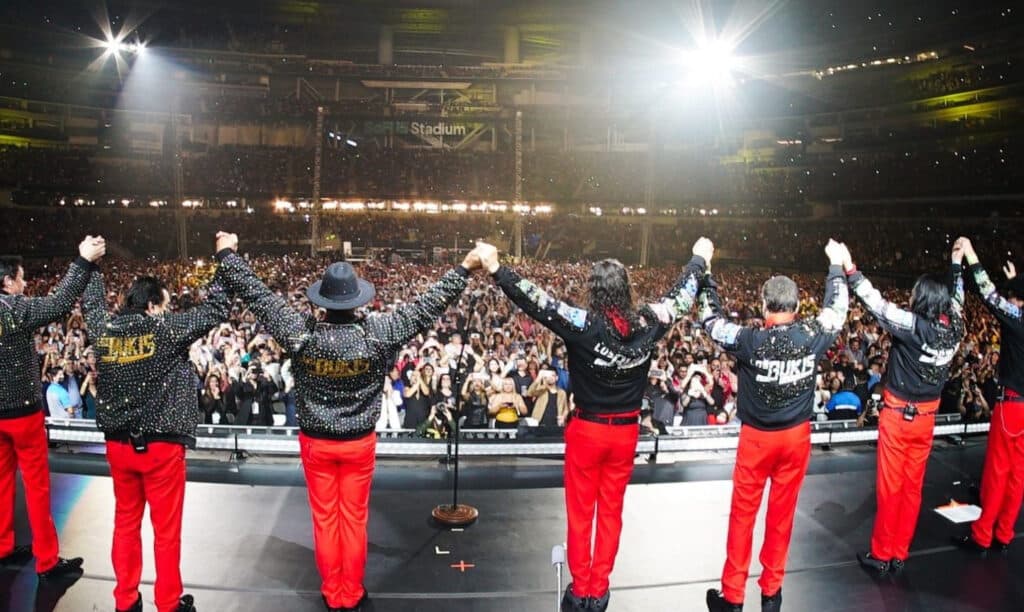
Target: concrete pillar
x,y
512,45
386,45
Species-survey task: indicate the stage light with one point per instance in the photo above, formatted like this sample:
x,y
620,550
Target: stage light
x,y
712,63
351,143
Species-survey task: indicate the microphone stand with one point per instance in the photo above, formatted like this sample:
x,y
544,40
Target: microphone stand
x,y
456,514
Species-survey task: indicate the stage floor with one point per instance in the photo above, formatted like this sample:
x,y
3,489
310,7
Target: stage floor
x,y
250,548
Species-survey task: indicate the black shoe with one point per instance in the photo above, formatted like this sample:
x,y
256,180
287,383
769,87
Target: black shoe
x,y
969,544
185,604
876,566
773,603
896,566
598,604
355,608
1002,548
571,602
19,555
718,603
136,607
65,568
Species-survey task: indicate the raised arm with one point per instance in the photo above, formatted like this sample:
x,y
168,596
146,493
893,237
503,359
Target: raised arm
x,y
730,336
402,325
191,325
1002,308
837,294
564,320
683,295
289,327
94,306
30,313
891,317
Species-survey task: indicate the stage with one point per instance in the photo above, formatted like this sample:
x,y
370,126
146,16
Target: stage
x,y
249,548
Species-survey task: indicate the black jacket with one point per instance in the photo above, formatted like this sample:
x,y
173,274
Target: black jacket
x,y
339,368
777,365
922,349
1011,331
147,383
21,392
608,371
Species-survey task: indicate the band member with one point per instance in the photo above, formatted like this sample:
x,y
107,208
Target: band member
x,y
777,368
1002,483
924,341
22,411
338,367
148,410
609,349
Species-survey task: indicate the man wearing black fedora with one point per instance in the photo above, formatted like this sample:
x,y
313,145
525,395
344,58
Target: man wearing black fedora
x,y
338,365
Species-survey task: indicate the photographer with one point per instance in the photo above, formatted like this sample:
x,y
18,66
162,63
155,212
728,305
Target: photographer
x,y
475,400
550,404
507,406
696,403
416,398
869,416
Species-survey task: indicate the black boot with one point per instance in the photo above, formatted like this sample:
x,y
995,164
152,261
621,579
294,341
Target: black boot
x,y
571,602
969,544
136,607
598,604
877,567
896,566
65,568
1002,548
773,603
18,556
186,604
718,603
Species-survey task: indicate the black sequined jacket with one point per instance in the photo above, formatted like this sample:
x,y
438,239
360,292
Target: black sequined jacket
x,y
777,365
21,392
146,382
339,368
922,349
608,370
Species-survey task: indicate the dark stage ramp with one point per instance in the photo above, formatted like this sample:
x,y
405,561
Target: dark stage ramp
x,y
250,548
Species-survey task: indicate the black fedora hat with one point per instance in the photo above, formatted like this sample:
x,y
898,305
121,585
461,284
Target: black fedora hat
x,y
340,288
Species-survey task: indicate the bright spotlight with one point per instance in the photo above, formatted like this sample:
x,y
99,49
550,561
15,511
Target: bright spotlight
x,y
712,63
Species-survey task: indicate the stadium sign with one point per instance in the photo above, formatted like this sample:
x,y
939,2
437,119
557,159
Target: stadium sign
x,y
415,128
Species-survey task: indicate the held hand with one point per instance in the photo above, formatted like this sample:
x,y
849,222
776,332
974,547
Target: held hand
x,y
1010,270
488,256
92,248
836,252
967,248
704,249
226,241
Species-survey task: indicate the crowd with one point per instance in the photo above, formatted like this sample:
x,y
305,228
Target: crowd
x,y
609,179
513,371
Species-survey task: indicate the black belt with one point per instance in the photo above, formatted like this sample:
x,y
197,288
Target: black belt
x,y
605,420
145,438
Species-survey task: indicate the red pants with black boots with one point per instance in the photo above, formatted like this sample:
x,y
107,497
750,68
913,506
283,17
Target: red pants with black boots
x,y
1002,483
156,477
903,449
598,466
781,456
23,446
338,478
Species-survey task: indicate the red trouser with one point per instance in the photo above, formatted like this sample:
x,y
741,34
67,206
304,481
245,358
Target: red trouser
x,y
1002,484
23,446
781,456
338,478
598,466
156,477
903,449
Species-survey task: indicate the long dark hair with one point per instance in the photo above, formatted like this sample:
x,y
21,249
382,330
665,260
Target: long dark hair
x,y
610,292
930,297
